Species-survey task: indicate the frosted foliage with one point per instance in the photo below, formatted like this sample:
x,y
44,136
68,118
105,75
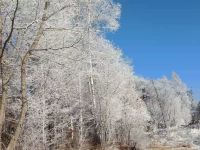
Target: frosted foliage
x,y
74,76
102,14
77,86
54,40
167,100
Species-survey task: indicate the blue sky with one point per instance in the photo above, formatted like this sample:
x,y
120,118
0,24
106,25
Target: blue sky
x,y
161,36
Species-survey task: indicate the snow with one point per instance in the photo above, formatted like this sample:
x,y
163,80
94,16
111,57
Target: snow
x,y
177,137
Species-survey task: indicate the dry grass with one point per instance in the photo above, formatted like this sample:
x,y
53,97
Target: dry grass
x,y
179,147
171,148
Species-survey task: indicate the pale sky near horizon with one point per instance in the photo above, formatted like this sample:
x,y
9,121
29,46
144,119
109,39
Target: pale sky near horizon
x,y
161,36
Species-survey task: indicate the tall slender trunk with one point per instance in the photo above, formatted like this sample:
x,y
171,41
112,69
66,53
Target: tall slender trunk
x,y
44,111
81,114
92,90
4,73
2,103
3,83
24,106
1,99
72,127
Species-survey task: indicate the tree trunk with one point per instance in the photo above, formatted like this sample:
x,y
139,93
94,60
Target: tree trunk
x,y
24,107
2,104
1,99
81,114
3,84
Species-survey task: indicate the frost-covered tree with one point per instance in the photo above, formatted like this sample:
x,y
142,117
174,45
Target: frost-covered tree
x,y
63,84
168,101
23,27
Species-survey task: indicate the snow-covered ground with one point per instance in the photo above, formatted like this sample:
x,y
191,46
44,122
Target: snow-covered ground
x,y
176,138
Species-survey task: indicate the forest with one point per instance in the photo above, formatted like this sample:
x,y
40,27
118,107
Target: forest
x,y
64,86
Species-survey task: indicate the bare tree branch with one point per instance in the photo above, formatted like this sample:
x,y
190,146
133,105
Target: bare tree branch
x,y
11,30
